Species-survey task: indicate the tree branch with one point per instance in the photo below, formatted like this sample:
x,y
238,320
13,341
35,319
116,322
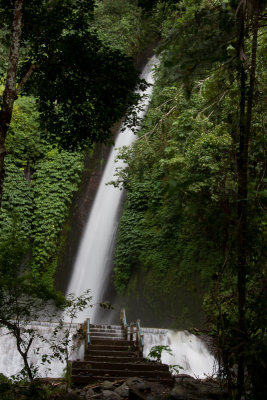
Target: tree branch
x,y
25,78
160,121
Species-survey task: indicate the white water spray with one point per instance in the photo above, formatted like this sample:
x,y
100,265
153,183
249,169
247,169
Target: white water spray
x,y
96,246
189,352
11,361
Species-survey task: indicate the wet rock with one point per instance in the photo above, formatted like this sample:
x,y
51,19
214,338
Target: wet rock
x,y
143,387
106,385
122,390
178,393
70,396
192,389
134,395
151,396
181,378
89,394
133,381
210,391
110,395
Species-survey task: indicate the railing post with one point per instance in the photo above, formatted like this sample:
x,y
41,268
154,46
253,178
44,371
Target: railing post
x,y
131,330
124,322
122,314
139,338
88,331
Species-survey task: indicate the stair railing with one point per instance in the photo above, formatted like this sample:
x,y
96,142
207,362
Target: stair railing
x,y
129,330
124,322
87,340
139,338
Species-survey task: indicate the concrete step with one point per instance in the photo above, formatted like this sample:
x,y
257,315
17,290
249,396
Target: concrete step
x,y
106,327
110,330
113,358
108,334
111,347
111,342
120,373
85,380
130,366
93,337
110,353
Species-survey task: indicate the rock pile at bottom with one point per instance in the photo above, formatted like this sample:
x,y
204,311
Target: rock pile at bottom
x,y
185,388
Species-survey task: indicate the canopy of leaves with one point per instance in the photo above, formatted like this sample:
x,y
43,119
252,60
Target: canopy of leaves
x,y
81,86
179,224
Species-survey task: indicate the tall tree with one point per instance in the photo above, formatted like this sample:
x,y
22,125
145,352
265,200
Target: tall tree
x,y
201,39
247,12
236,24
10,92
83,86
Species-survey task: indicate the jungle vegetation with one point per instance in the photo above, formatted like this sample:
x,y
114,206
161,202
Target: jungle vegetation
x,y
195,213
194,219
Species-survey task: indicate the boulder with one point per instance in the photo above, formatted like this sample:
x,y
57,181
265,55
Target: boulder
x,y
133,381
192,389
106,385
89,394
110,395
70,396
122,390
178,393
143,387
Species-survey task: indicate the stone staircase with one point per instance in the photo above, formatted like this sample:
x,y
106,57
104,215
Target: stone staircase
x,y
113,355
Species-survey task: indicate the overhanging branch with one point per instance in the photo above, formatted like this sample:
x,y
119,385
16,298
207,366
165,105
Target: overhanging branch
x,y
25,78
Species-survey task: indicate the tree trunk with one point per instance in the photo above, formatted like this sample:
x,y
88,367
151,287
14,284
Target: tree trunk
x,y
242,231
10,93
241,214
24,354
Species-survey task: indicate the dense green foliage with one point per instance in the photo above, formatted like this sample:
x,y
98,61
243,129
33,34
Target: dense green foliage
x,y
181,221
119,23
35,208
91,78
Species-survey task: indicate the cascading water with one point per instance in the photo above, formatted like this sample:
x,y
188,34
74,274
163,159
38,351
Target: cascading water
x,y
93,259
11,362
188,351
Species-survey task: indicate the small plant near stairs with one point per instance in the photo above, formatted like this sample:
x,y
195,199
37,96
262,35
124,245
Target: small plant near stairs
x,y
156,352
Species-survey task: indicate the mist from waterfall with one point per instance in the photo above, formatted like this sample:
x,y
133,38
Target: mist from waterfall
x,y
11,361
189,353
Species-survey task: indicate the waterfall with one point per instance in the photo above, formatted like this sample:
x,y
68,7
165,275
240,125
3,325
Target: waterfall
x,y
188,351
93,258
11,362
